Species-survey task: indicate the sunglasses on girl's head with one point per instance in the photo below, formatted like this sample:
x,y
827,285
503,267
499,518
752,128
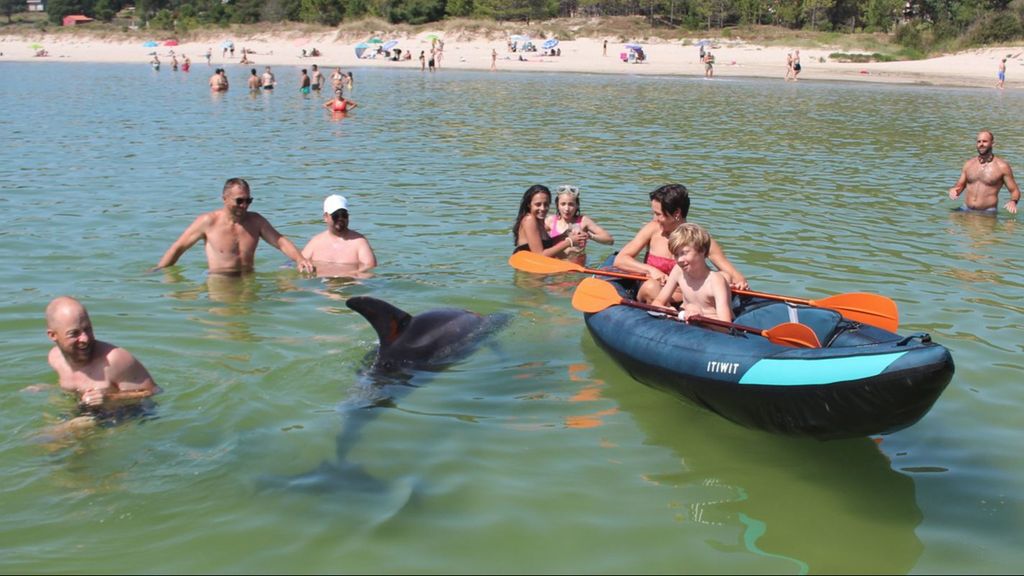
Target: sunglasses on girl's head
x,y
243,201
565,188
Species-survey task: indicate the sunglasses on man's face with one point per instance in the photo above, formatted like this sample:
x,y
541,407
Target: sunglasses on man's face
x,y
243,201
339,214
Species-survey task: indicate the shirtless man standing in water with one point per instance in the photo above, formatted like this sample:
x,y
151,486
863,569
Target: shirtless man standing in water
x,y
983,176
232,234
99,373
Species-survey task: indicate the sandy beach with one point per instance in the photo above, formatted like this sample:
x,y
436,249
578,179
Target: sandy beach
x,y
734,58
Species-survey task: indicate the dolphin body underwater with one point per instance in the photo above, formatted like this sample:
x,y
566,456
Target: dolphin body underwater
x,y
408,347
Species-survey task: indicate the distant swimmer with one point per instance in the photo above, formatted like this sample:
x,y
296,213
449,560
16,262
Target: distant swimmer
x,y
337,79
186,65
174,63
254,81
983,177
317,78
268,79
339,103
102,375
155,62
232,234
219,81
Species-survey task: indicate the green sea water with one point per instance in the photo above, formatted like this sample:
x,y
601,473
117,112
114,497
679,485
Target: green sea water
x,y
537,453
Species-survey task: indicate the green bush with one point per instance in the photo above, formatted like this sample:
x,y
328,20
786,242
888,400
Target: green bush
x,y
995,27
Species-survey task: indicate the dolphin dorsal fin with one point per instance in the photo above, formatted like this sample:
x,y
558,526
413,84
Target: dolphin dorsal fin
x,y
388,321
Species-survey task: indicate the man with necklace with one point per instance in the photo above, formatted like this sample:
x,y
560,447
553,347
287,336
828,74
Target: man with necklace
x,y
983,177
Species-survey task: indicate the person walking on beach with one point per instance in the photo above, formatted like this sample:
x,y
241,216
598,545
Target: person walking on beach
x,y
709,64
339,244
983,177
789,66
494,59
423,60
604,48
209,53
232,234
1002,74
796,64
99,373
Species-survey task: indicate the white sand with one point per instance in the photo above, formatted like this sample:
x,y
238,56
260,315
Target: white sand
x,y
733,58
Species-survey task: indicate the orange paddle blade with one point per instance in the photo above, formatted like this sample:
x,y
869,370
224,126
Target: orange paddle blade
x,y
792,334
540,264
864,308
593,295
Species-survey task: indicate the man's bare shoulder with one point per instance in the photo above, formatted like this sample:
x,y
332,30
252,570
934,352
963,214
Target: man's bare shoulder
x,y
1002,164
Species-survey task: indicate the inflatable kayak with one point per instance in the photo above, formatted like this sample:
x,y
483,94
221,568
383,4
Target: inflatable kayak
x,y
861,381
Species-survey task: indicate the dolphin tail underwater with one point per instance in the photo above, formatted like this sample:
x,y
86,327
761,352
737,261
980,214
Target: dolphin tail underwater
x,y
409,345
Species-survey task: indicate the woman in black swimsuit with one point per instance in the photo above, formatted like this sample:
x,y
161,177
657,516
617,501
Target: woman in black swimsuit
x,y
528,232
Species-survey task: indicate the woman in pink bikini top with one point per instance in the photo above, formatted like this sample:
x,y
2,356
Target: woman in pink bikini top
x,y
670,205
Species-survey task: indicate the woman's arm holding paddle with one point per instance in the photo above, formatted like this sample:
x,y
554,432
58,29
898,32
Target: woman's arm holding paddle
x,y
626,258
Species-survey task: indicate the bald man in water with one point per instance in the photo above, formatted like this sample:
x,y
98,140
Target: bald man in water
x,y
983,177
99,373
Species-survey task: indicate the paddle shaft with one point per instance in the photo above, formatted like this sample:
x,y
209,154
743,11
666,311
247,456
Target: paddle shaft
x,y
671,313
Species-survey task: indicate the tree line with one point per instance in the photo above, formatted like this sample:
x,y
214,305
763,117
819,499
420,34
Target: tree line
x,y
918,24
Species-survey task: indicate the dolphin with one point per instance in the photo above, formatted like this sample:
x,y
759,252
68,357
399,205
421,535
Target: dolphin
x,y
431,340
409,346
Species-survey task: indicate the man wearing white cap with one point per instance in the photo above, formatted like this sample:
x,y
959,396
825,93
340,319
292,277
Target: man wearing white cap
x,y
339,245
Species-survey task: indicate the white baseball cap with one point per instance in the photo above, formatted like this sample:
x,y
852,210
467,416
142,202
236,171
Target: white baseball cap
x,y
334,202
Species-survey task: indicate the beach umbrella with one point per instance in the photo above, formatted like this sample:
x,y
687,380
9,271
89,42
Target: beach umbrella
x,y
519,37
36,46
389,44
549,44
702,43
150,44
375,40
433,37
360,48
171,43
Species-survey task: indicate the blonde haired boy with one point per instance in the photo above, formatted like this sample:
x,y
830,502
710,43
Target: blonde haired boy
x,y
705,292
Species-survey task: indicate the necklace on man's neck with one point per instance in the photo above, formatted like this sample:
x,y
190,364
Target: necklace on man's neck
x,y
986,158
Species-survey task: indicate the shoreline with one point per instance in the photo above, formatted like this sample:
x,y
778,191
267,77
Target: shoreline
x,y
734,59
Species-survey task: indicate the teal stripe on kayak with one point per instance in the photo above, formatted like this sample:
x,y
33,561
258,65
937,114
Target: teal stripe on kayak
x,y
808,372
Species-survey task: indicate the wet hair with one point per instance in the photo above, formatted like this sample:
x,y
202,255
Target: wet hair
x,y
303,70
232,182
689,234
253,71
672,197
524,207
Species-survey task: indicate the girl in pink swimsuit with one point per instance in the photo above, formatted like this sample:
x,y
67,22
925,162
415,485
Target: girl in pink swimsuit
x,y
568,217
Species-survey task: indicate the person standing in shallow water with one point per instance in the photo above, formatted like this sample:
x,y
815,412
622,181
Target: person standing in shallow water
x,y
99,373
232,234
983,177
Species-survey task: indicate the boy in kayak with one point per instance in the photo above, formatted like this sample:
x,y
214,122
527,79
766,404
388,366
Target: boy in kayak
x,y
704,291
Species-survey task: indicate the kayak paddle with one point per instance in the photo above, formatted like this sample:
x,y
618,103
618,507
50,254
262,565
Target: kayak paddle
x,y
860,307
593,295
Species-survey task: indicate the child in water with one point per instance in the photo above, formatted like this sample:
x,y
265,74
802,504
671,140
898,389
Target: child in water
x,y
704,291
567,217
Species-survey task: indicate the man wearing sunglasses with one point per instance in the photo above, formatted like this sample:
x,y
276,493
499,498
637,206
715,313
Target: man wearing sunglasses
x,y
231,235
339,250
